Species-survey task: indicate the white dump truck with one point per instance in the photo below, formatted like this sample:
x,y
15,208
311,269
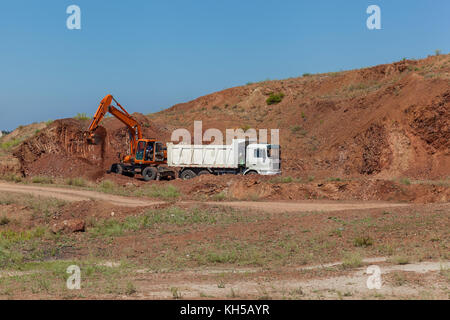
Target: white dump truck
x,y
240,157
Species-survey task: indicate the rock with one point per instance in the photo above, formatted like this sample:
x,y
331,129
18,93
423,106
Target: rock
x,y
69,226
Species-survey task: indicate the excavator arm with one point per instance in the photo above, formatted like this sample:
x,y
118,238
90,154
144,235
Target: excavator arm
x,y
105,106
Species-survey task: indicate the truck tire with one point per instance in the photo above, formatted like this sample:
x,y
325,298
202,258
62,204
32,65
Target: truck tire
x,y
187,174
251,173
149,173
203,172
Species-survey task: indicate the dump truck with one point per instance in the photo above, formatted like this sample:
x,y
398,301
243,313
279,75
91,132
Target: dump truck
x,y
240,157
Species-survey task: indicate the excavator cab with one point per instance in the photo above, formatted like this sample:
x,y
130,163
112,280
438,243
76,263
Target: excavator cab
x,y
140,151
150,151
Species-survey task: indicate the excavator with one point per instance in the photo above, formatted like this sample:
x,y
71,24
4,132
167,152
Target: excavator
x,y
146,156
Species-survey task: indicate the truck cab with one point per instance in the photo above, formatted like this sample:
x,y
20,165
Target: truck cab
x,y
263,159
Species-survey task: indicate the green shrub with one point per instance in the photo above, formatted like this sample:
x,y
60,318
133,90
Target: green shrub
x,y
12,178
363,242
81,116
8,145
275,98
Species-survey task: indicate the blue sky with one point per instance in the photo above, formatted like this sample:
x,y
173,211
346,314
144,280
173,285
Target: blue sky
x,y
154,54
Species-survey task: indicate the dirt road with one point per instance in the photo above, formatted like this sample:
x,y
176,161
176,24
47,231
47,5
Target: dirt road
x,y
274,207
76,195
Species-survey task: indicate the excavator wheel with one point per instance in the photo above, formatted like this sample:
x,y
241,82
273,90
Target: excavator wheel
x,y
149,173
116,168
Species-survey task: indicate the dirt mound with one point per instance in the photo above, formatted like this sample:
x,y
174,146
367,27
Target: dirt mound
x,y
386,121
62,148
9,142
267,188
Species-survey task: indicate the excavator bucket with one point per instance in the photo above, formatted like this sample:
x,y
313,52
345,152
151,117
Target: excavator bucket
x,y
97,137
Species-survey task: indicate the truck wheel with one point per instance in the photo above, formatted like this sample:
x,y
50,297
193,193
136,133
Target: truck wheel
x,y
187,174
203,172
149,173
251,173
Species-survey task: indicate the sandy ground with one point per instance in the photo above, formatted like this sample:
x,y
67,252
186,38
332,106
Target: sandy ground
x,y
351,285
413,279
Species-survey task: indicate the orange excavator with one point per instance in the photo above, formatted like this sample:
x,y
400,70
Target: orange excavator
x,y
147,156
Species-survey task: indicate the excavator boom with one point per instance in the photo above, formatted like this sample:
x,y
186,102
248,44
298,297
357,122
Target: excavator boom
x,y
105,106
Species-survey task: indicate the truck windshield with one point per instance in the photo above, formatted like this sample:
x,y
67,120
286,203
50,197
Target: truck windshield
x,y
273,151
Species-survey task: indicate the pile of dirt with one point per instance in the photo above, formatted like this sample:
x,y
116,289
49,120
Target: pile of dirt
x,y
8,142
387,121
62,149
266,188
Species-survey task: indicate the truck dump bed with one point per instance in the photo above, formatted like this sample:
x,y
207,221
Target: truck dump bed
x,y
207,156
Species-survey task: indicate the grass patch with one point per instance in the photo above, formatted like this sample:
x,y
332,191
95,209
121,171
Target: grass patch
x,y
221,196
173,216
287,179
401,260
76,182
82,116
107,186
168,192
12,178
352,260
41,207
165,192
8,145
130,289
42,180
297,129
